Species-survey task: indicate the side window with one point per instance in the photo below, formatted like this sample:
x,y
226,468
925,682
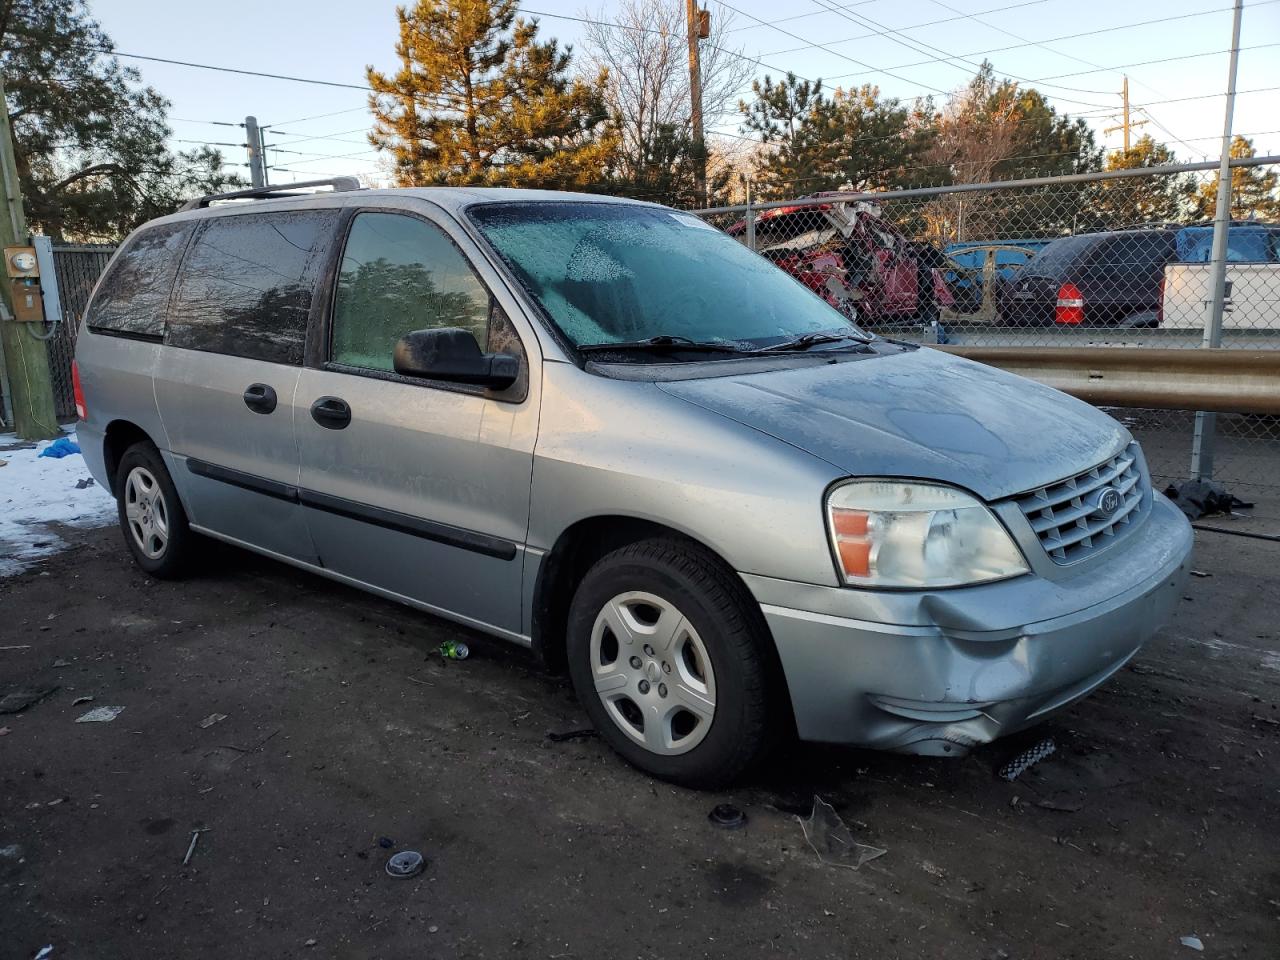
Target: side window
x,y
400,274
246,286
134,295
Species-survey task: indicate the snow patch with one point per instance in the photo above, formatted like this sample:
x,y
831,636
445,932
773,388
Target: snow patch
x,y
37,491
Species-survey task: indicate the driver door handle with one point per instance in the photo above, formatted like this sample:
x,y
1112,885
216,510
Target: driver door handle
x,y
332,413
260,398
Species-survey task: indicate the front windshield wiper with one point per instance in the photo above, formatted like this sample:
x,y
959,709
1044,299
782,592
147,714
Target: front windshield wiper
x,y
664,342
808,340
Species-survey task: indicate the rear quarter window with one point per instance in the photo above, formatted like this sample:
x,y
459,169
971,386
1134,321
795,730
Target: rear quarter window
x,y
247,284
134,294
1134,251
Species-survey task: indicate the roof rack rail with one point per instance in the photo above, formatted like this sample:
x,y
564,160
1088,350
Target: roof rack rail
x,y
275,191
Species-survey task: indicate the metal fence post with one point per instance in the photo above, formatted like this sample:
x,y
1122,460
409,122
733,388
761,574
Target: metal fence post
x,y
751,220
1203,440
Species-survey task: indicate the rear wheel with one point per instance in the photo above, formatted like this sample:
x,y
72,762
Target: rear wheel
x,y
151,515
668,657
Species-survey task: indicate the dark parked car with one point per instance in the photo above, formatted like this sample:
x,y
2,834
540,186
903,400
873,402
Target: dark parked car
x,y
1098,279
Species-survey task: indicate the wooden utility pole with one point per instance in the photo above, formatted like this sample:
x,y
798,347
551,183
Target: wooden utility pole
x,y
257,160
1127,123
26,359
696,21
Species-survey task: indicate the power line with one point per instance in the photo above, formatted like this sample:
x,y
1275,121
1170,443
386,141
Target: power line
x,y
950,59
320,136
1067,36
1147,63
317,116
803,16
914,26
1009,33
212,123
662,33
861,63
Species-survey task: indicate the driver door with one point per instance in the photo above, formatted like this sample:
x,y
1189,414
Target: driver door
x,y
415,487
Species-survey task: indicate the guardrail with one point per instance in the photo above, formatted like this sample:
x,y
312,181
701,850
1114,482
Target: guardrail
x,y
1214,380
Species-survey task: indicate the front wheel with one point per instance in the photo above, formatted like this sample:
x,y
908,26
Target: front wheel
x,y
151,515
668,657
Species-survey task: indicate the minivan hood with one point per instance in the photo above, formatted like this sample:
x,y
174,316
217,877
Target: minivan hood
x,y
921,414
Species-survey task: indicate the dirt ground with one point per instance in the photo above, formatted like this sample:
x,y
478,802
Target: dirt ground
x,y
1158,817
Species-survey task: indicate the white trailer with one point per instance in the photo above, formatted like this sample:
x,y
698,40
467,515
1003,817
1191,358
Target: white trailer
x,y
1253,296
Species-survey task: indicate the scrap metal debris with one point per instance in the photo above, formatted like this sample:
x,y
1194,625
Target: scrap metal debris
x,y
1193,942
832,841
195,838
211,719
100,715
1026,760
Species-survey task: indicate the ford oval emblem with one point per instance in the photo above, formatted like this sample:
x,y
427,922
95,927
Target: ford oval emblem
x,y
1107,501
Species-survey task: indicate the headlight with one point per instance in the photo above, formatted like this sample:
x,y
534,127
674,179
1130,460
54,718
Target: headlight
x,y
889,533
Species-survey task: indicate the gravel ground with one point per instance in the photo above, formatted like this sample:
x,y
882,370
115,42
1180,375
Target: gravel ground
x,y
1156,819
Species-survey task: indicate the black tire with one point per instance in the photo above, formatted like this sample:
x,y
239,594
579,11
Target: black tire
x,y
718,607
174,557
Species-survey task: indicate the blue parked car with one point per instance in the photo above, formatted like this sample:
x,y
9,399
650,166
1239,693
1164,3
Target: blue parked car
x,y
1246,243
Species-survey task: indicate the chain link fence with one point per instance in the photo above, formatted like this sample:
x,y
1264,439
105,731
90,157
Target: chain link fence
x,y
76,270
1096,261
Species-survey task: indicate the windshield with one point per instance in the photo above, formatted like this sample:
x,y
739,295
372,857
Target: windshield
x,y
619,273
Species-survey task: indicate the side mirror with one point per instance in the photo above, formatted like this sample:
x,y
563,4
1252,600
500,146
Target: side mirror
x,y
452,354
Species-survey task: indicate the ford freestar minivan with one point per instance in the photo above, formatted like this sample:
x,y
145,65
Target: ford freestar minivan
x,y
604,430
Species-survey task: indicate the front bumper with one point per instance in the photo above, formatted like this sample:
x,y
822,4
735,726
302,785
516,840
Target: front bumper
x,y
940,672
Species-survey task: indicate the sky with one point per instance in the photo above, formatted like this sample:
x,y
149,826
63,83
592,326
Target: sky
x,y
1075,51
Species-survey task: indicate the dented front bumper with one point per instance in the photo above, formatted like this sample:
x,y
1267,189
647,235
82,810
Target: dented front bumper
x,y
940,672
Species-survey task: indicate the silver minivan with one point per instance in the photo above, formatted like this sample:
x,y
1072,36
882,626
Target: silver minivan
x,y
604,430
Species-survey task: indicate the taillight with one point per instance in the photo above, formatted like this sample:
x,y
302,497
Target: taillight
x,y
82,412
1070,306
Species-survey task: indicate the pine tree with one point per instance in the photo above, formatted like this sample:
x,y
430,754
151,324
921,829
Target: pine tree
x,y
479,99
1253,189
89,138
1128,202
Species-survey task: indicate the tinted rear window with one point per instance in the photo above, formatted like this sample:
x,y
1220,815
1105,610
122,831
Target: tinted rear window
x,y
1059,255
134,294
247,284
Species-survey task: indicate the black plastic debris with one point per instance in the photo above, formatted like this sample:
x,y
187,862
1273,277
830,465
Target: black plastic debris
x,y
386,843
727,816
18,700
583,734
1201,498
405,864
1026,760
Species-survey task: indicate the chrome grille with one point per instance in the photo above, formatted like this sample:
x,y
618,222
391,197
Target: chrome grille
x,y
1066,517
